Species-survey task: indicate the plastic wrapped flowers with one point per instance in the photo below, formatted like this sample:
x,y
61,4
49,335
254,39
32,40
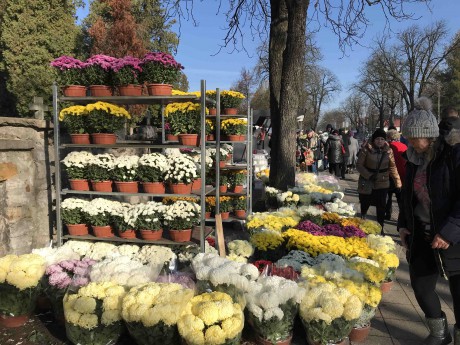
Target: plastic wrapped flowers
x,y
239,251
93,314
151,312
211,319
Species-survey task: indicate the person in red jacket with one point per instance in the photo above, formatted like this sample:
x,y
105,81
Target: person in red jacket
x,y
398,149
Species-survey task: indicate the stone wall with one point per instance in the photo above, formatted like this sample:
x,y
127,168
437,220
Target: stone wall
x,y
26,190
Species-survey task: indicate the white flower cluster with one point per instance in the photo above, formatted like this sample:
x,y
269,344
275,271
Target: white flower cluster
x,y
155,160
101,206
302,211
288,198
123,271
182,209
224,152
151,211
381,243
267,294
272,190
101,250
340,207
181,169
78,159
367,261
227,147
74,203
332,267
239,250
187,254
220,271
80,247
54,255
197,159
127,164
157,255
104,160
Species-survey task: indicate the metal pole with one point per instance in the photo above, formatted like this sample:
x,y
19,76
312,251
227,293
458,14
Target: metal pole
x,y
217,182
203,165
57,165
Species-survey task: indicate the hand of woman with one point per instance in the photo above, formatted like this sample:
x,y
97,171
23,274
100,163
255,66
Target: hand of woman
x,y
403,233
439,242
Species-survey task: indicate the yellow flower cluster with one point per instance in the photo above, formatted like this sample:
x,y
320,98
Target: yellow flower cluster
x,y
266,239
154,302
386,261
372,274
315,245
313,188
182,108
182,93
80,308
169,200
210,124
230,93
352,221
75,110
370,227
227,124
331,218
211,200
79,110
367,293
271,221
23,271
211,319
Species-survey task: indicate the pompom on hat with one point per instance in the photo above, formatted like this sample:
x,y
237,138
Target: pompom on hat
x,y
421,123
379,133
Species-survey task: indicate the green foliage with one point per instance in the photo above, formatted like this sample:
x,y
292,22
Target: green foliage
x,y
236,178
14,302
76,173
149,174
101,122
102,334
32,34
148,223
185,124
157,334
98,173
154,73
239,203
73,216
319,331
76,124
226,205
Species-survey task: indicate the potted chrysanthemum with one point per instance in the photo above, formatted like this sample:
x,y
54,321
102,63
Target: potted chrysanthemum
x,y
151,170
180,174
70,74
74,216
149,220
99,172
126,71
236,179
184,119
76,165
234,129
151,312
180,217
100,215
124,220
124,173
240,206
230,101
159,71
75,119
211,101
196,156
98,75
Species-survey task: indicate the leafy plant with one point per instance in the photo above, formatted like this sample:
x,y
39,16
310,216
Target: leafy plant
x,y
105,117
239,203
184,118
234,126
152,167
126,71
226,204
231,99
125,168
98,70
237,178
75,119
69,70
101,168
73,216
159,68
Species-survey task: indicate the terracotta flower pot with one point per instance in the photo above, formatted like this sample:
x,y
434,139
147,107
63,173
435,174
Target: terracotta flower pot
x,y
130,90
13,321
74,91
130,233
80,139
343,342
102,231
262,341
386,286
229,157
237,189
181,235
180,188
225,215
210,137
151,235
127,187
159,89
101,186
242,138
207,215
196,185
77,229
358,335
154,187
79,184
103,138
171,137
188,139
234,137
223,189
230,111
240,214
222,164
100,90
212,111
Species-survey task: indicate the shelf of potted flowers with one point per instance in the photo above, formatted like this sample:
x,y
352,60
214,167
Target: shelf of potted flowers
x,y
225,206
73,213
181,174
230,101
234,129
104,119
210,206
184,119
125,75
180,217
124,173
240,207
98,75
75,119
223,185
236,179
222,158
76,165
152,170
99,172
70,75
100,215
159,71
211,101
124,220
93,313
149,220
19,279
151,312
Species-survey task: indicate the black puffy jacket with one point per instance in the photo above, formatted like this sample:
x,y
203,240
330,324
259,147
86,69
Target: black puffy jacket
x,y
334,149
443,181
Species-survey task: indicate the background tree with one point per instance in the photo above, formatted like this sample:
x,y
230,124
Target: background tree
x,y
32,34
245,84
261,98
450,78
354,109
335,117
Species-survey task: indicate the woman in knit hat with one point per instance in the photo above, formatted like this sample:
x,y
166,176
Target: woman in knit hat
x,y
429,218
376,165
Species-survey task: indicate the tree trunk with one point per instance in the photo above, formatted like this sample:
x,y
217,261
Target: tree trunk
x,y
282,170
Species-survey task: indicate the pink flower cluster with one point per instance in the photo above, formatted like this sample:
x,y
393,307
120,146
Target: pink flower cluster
x,y
127,61
331,230
103,61
162,58
62,274
67,62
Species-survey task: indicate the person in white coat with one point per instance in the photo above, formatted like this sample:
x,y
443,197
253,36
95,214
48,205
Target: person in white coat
x,y
353,149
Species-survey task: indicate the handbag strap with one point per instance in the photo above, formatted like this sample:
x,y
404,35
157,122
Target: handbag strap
x,y
380,163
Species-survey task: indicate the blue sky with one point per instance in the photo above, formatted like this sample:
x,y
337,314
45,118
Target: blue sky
x,y
199,44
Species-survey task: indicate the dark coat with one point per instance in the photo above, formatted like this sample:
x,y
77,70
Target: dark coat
x,y
443,181
334,149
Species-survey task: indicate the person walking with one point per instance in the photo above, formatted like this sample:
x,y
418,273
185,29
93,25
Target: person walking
x,y
346,152
429,218
398,149
334,153
376,165
323,139
353,149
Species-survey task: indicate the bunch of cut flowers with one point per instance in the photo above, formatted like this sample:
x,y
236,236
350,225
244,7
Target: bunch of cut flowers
x,y
151,312
239,251
271,197
288,199
272,307
340,207
312,213
271,221
331,230
157,255
93,313
210,319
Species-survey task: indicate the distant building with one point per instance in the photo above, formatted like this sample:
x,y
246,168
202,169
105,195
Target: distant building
x,y
396,123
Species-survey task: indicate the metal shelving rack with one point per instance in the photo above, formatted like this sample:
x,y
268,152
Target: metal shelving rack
x,y
162,100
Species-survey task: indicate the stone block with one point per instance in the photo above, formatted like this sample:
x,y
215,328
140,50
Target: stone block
x,y
15,213
7,170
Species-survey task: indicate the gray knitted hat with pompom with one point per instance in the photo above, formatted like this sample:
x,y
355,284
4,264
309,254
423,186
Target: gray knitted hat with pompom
x,y
421,123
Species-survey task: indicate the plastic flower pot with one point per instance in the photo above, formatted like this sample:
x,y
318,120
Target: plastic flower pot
x,y
241,214
386,286
225,215
262,341
13,321
181,235
222,164
188,139
103,138
130,90
212,111
234,137
102,231
80,139
358,335
223,189
207,215
237,189
230,111
101,186
159,89
100,90
151,235
180,188
77,229
154,187
79,184
127,187
242,138
171,137
196,185
130,233
74,91
210,137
